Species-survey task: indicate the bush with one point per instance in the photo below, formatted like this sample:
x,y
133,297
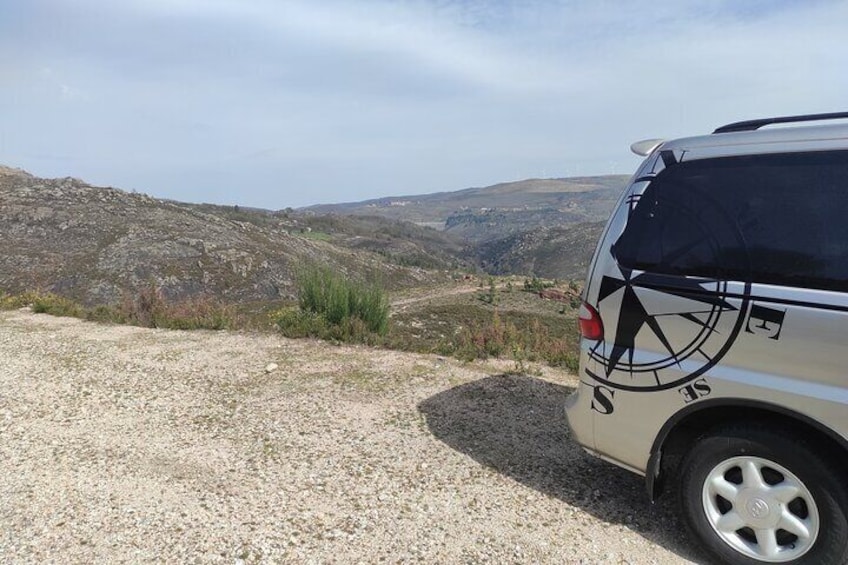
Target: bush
x,y
144,309
343,304
293,322
536,285
105,314
490,297
42,303
196,314
498,338
149,309
15,301
49,303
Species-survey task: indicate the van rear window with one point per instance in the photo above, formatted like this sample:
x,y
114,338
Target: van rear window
x,y
776,219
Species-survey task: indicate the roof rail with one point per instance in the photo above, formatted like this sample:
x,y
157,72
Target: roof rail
x,y
751,125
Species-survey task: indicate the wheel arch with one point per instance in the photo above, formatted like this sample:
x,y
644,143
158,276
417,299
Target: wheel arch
x,y
686,425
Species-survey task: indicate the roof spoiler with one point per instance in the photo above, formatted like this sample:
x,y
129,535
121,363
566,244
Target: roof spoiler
x,y
646,146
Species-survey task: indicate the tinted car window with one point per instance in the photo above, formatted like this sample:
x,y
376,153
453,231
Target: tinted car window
x,y
778,219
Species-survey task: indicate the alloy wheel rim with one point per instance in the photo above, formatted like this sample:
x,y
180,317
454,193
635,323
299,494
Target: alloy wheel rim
x,y
760,509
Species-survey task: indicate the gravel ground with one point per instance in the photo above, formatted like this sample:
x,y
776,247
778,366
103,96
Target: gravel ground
x,y
122,444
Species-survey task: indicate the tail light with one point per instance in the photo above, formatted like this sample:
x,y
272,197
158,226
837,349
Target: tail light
x,y
591,325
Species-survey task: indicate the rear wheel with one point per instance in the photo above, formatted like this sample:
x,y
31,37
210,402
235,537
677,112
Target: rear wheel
x,y
756,495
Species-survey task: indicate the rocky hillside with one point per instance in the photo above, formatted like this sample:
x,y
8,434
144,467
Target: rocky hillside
x,y
548,252
93,244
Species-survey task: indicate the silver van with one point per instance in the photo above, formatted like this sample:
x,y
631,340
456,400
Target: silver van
x,y
714,351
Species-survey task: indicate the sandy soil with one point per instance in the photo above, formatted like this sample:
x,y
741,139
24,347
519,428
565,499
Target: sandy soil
x,y
121,444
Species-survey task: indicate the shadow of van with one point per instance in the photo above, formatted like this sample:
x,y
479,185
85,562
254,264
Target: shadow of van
x,y
516,425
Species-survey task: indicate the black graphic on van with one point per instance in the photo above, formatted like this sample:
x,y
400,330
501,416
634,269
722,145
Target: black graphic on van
x,y
765,321
671,312
705,324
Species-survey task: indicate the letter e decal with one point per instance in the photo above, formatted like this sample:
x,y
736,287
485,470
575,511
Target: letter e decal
x,y
766,322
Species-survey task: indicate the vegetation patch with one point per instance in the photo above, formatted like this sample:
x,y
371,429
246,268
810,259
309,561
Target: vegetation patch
x,y
536,284
42,303
491,323
333,307
521,340
315,235
495,320
147,309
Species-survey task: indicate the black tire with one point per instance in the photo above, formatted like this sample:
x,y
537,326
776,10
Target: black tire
x,y
721,456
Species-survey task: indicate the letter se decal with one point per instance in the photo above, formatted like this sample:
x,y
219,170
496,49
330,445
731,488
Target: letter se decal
x,y
692,392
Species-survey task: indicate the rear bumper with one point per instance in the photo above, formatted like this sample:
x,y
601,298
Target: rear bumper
x,y
578,414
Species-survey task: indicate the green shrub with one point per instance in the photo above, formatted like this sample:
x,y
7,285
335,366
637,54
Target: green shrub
x,y
490,297
293,322
49,303
536,284
46,303
15,301
42,303
339,301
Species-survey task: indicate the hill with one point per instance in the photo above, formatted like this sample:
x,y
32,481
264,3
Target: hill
x,y
551,253
397,241
569,200
547,228
92,244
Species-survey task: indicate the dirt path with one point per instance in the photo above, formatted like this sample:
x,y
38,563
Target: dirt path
x,y
121,444
402,304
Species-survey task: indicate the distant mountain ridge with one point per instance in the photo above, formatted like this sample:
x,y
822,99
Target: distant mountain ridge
x,y
580,198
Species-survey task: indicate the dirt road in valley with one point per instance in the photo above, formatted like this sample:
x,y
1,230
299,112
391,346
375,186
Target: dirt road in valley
x,y
122,444
402,304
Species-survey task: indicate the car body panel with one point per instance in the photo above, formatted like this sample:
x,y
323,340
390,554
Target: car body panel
x,y
672,342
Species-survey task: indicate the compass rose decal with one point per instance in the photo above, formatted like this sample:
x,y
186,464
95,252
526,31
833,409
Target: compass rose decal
x,y
664,327
687,294
683,326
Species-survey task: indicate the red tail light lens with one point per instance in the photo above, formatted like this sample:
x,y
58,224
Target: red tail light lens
x,y
591,325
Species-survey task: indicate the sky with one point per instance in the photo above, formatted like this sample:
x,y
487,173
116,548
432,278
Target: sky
x,y
279,103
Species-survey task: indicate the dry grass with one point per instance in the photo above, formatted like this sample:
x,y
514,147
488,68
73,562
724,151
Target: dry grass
x,y
497,320
147,309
